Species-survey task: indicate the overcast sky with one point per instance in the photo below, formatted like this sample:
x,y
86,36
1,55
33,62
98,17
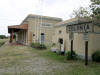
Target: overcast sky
x,y
12,12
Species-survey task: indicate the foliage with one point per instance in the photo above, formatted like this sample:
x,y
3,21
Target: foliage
x,y
2,37
1,43
54,44
81,13
14,36
68,55
96,56
95,7
38,46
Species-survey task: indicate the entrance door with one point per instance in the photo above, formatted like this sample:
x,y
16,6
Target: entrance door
x,y
61,44
42,38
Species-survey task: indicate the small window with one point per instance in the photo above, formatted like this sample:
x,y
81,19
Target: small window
x,y
33,34
60,31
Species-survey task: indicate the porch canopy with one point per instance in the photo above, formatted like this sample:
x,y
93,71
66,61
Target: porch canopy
x,y
16,28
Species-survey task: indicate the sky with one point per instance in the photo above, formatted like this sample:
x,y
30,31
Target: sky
x,y
13,12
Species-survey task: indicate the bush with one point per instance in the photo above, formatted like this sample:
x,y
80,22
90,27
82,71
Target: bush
x,y
96,56
38,46
68,55
54,44
1,43
3,37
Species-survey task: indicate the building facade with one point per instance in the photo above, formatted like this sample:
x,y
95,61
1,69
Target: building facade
x,y
62,33
49,30
35,28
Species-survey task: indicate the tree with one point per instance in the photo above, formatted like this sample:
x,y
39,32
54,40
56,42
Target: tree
x,y
81,13
95,7
2,36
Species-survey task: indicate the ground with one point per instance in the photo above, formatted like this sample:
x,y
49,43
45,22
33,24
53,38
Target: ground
x,y
24,60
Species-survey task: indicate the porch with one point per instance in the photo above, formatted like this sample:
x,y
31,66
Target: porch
x,y
21,33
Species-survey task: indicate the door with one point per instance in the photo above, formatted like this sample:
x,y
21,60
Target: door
x,y
61,44
42,38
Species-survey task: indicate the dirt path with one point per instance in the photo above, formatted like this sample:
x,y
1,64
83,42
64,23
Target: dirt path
x,y
20,60
24,60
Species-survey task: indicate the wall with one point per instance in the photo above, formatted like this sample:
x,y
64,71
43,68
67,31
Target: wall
x,y
79,43
34,28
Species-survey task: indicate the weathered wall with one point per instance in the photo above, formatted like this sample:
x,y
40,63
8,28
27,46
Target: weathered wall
x,y
34,28
79,43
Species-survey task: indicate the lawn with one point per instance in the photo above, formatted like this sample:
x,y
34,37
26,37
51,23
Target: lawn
x,y
24,60
2,41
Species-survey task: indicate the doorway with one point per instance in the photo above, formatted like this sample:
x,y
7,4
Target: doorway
x,y
61,42
42,38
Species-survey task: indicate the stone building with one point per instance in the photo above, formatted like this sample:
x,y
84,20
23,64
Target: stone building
x,y
34,28
62,33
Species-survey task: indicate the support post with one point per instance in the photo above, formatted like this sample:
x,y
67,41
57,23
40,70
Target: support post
x,y
71,48
11,36
86,53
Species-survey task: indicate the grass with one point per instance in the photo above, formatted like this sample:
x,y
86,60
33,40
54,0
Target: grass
x,y
23,60
2,41
49,55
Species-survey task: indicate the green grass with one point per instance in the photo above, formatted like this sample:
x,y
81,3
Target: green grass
x,y
50,55
2,41
43,62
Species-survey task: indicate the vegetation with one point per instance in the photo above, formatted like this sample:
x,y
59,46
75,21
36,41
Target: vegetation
x,y
81,13
3,37
96,56
68,55
38,46
95,8
23,60
54,44
92,12
1,43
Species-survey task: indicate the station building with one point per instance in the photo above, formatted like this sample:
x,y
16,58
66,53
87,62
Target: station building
x,y
79,26
34,28
49,30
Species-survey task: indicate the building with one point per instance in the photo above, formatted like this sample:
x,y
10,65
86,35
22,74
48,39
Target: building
x,y
77,26
48,30
34,28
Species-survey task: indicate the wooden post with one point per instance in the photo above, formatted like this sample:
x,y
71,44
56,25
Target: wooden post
x,y
71,48
11,36
86,53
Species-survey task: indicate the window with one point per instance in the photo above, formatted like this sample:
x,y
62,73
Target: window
x,y
33,34
60,31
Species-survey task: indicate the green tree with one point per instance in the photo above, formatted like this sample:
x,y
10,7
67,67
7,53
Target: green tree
x,y
2,36
95,7
81,13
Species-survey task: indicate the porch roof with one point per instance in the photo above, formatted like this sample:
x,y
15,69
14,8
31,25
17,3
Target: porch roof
x,y
15,28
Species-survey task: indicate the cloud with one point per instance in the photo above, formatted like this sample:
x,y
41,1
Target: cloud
x,y
12,12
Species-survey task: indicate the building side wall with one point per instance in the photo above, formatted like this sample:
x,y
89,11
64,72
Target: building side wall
x,y
78,42
35,29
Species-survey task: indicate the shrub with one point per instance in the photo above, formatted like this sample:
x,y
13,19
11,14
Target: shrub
x,y
96,56
1,43
38,46
74,55
3,37
54,44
